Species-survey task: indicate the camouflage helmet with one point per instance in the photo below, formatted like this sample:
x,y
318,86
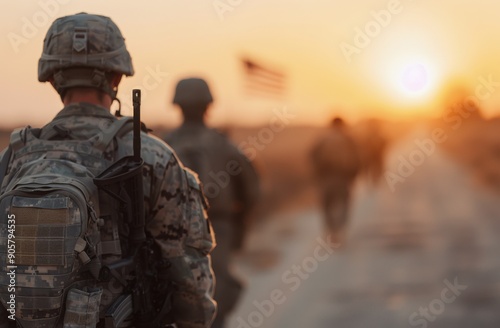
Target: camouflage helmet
x,y
192,91
80,50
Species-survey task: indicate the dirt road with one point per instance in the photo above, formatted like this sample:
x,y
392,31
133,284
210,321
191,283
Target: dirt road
x,y
424,254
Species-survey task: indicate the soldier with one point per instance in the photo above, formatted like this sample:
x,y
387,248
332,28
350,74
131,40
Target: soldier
x,y
229,179
372,147
84,58
336,164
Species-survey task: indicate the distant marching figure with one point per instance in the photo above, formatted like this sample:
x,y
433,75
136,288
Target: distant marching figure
x,y
230,184
336,164
372,149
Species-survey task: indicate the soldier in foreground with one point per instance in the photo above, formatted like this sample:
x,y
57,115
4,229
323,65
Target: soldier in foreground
x,y
336,163
229,179
84,58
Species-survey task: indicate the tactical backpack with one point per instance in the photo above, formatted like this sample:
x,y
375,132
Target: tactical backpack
x,y
70,222
50,247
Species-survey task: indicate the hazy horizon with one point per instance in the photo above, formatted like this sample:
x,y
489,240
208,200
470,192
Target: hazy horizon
x,y
385,59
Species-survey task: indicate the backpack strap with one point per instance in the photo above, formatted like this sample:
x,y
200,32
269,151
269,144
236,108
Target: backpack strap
x,y
51,130
118,128
101,141
18,138
4,164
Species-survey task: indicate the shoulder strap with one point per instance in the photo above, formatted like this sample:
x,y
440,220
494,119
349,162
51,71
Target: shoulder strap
x,y
4,164
51,130
101,141
119,127
17,140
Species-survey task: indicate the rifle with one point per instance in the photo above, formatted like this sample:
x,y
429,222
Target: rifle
x,y
147,295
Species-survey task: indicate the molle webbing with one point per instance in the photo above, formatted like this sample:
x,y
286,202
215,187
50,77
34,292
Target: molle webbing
x,y
46,231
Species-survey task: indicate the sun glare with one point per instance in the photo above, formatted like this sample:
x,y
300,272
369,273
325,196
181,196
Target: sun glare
x,y
409,81
415,78
412,81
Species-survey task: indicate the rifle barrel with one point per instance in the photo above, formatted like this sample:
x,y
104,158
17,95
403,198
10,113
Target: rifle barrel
x,y
136,97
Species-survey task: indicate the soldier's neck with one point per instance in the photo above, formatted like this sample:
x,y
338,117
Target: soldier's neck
x,y
89,96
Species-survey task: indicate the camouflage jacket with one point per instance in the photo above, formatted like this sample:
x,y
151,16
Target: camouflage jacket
x,y
175,209
230,181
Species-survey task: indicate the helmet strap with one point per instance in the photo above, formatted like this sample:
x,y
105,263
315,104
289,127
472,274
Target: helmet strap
x,y
118,112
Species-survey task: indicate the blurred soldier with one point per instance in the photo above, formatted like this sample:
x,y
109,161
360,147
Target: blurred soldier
x,y
84,58
336,163
229,179
372,149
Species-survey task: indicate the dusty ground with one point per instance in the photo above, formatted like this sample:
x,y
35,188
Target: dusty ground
x,y
422,255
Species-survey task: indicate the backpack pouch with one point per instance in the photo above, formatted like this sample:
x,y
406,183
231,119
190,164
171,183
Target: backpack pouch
x,y
82,308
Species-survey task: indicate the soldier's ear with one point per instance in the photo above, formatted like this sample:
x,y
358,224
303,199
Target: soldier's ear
x,y
116,80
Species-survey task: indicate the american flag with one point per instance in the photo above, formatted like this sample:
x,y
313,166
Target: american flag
x,y
261,80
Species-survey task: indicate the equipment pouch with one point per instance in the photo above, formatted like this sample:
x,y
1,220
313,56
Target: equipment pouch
x,y
82,308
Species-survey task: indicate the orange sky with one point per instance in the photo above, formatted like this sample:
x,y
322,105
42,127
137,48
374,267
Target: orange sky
x,y
454,41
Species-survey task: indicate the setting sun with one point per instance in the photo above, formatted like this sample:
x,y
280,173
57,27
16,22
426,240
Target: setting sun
x,y
418,82
415,78
410,83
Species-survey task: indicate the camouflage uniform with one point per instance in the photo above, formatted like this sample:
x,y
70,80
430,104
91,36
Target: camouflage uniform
x,y
229,179
230,183
89,51
336,163
175,211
